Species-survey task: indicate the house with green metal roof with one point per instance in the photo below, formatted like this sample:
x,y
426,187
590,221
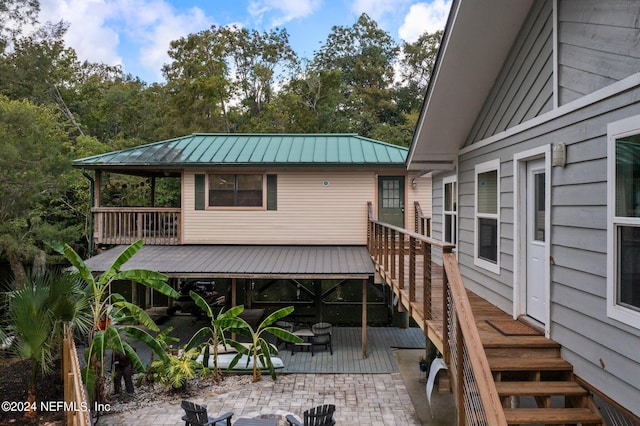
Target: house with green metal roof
x,y
252,206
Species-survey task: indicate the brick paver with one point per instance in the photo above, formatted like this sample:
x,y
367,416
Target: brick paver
x,y
360,399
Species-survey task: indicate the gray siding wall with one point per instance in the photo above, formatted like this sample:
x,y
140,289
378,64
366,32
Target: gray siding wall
x,y
524,88
436,214
578,240
598,44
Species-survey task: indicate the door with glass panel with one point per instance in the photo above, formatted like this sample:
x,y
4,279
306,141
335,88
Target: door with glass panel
x,y
536,300
391,200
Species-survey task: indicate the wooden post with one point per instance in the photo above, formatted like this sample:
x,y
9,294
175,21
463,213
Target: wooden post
x,y
96,188
364,318
412,269
317,299
401,253
153,191
233,300
459,388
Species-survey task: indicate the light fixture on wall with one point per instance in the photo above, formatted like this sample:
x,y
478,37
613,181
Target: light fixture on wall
x,y
559,155
414,183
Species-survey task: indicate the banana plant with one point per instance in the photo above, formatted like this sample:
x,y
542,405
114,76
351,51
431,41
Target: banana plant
x,y
212,337
259,350
112,315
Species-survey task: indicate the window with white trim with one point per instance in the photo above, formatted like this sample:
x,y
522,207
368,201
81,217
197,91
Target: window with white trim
x,y
623,275
235,190
487,217
450,210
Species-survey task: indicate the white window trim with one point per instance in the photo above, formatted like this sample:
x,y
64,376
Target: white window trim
x,y
446,180
619,129
483,168
519,238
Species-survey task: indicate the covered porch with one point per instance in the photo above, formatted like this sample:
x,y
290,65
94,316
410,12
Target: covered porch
x,y
246,270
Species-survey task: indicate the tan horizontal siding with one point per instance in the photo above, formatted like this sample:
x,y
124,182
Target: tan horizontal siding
x,y
308,212
421,194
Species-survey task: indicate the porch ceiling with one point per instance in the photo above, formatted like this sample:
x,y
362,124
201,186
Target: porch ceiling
x,y
476,42
218,261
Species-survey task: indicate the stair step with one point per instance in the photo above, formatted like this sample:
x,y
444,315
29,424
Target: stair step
x,y
528,364
551,416
544,388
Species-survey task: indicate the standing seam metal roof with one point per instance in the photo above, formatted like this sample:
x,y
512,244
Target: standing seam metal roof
x,y
254,149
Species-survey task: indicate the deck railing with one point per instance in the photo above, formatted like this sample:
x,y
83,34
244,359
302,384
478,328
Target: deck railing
x,y
75,396
392,248
423,223
126,225
475,390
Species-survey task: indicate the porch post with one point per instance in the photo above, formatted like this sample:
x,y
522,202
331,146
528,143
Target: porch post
x,y
364,318
153,191
233,300
317,299
97,185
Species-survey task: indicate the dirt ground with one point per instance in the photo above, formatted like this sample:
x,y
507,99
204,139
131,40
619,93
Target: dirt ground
x,y
14,380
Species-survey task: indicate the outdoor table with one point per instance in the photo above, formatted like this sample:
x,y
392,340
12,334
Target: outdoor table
x,y
255,422
306,335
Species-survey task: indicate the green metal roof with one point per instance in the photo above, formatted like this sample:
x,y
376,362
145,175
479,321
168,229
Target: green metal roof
x,y
251,150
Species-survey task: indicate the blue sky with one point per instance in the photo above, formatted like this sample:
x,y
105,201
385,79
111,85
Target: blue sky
x,y
136,33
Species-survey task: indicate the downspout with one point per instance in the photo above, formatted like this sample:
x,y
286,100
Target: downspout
x,y
91,201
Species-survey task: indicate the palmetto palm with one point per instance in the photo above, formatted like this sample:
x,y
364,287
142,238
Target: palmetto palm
x,y
36,313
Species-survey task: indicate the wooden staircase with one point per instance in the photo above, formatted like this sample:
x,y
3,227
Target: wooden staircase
x,y
535,385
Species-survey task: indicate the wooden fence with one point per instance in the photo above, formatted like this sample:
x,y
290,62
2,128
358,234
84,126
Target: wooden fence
x,y
75,394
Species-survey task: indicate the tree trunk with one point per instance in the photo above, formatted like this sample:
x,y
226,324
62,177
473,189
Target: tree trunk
x,y
31,393
19,273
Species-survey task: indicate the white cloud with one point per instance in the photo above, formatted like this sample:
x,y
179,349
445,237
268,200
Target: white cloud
x,y
87,34
424,17
287,10
377,9
97,26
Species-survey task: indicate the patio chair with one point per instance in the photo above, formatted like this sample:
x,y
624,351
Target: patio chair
x,y
285,325
321,336
196,415
321,415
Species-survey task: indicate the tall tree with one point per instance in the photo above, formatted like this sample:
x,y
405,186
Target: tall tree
x,y
32,167
259,61
198,83
223,77
416,64
364,55
14,16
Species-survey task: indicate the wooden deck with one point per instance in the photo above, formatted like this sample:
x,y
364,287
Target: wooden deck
x,y
347,348
429,316
491,364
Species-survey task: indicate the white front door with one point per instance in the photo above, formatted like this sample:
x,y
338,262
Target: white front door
x,y
536,299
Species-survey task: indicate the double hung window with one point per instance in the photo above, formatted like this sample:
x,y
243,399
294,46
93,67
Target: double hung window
x,y
449,210
487,217
623,287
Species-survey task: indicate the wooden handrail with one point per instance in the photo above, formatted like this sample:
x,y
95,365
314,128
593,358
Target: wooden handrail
x,y
135,209
461,345
75,395
493,410
125,225
423,223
